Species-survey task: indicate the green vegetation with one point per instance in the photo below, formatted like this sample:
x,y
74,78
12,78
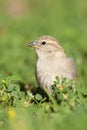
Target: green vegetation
x,y
25,109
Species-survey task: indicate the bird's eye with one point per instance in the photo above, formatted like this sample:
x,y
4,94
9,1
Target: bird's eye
x,y
43,43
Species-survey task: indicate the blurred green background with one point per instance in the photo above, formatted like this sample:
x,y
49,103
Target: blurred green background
x,y
22,21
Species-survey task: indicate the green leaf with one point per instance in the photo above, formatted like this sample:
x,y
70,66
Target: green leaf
x,y
10,88
38,97
17,87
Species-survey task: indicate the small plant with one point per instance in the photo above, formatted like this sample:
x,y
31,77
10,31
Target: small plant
x,y
13,92
66,94
10,91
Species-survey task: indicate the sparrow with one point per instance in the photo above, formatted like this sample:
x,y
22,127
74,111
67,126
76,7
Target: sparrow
x,y
52,62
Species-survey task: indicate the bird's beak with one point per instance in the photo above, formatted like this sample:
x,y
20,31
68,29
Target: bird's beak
x,y
32,44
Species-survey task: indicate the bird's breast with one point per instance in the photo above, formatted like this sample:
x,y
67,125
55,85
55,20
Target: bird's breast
x,y
44,73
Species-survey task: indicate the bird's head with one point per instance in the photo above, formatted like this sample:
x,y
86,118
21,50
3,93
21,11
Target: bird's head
x,y
46,46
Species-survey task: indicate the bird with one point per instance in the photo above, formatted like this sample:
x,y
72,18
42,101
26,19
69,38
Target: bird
x,y
52,62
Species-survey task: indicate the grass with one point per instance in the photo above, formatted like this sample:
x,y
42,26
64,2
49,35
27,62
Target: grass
x,y
65,20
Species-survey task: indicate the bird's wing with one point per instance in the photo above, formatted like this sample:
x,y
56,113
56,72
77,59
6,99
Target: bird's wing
x,y
66,67
73,64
